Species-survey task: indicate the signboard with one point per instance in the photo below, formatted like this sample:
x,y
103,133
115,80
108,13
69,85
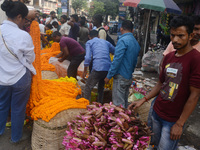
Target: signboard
x,y
122,14
64,4
64,10
121,5
122,8
46,11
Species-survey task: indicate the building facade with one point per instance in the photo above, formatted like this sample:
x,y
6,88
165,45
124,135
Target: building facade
x,y
44,6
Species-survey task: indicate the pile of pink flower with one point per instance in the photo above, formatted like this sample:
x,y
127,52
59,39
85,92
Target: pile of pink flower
x,y
107,127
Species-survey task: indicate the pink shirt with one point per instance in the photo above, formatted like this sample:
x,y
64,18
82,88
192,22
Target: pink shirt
x,y
170,48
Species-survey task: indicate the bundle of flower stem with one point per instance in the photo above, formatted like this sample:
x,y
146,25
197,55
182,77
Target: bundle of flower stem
x,y
107,127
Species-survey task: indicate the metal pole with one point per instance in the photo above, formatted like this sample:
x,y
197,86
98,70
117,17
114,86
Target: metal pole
x,y
147,30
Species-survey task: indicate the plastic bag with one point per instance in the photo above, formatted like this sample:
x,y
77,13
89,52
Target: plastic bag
x,y
151,61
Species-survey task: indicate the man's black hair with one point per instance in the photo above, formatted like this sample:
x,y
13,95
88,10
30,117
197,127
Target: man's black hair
x,y
55,23
127,25
75,16
83,18
98,17
82,22
64,17
38,19
52,12
182,20
196,19
49,26
93,33
44,15
56,33
13,9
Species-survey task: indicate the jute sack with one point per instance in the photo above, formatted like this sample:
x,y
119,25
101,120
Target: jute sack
x,y
49,135
143,110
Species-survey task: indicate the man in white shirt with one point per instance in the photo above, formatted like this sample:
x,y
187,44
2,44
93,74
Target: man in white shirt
x,y
65,28
52,18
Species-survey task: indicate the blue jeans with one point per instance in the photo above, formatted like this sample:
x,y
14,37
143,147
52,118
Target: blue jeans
x,y
161,129
149,120
15,97
120,90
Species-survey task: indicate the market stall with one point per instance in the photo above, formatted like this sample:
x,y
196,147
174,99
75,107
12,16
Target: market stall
x,y
54,107
52,103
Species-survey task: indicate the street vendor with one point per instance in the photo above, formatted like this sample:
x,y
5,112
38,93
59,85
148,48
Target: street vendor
x,y
70,48
99,51
195,42
123,65
178,88
16,58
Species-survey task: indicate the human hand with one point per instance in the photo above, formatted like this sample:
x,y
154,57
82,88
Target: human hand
x,y
176,131
136,104
84,74
60,60
106,80
43,33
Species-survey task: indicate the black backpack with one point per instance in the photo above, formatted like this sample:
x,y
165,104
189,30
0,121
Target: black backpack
x,y
108,38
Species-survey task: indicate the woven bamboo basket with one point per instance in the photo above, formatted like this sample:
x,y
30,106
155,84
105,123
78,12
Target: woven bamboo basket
x,y
49,135
143,110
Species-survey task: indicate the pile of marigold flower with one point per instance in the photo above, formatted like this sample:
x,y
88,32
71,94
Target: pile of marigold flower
x,y
50,97
47,54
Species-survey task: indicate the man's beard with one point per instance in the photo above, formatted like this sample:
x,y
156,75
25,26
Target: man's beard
x,y
196,37
179,48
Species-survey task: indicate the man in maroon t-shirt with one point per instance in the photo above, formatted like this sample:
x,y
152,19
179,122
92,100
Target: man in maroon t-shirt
x,y
178,88
71,48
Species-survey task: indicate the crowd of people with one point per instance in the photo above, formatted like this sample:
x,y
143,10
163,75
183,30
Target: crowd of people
x,y
177,91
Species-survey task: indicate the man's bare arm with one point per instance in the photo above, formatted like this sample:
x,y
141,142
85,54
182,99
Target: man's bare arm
x,y
65,54
154,92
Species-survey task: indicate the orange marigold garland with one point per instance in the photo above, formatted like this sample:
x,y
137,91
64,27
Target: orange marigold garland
x,y
35,90
45,61
50,97
49,52
54,47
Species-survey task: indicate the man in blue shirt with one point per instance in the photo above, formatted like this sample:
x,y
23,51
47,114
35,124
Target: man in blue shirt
x,y
123,65
99,51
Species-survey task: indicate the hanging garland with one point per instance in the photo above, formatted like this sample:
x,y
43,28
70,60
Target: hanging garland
x,y
49,97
